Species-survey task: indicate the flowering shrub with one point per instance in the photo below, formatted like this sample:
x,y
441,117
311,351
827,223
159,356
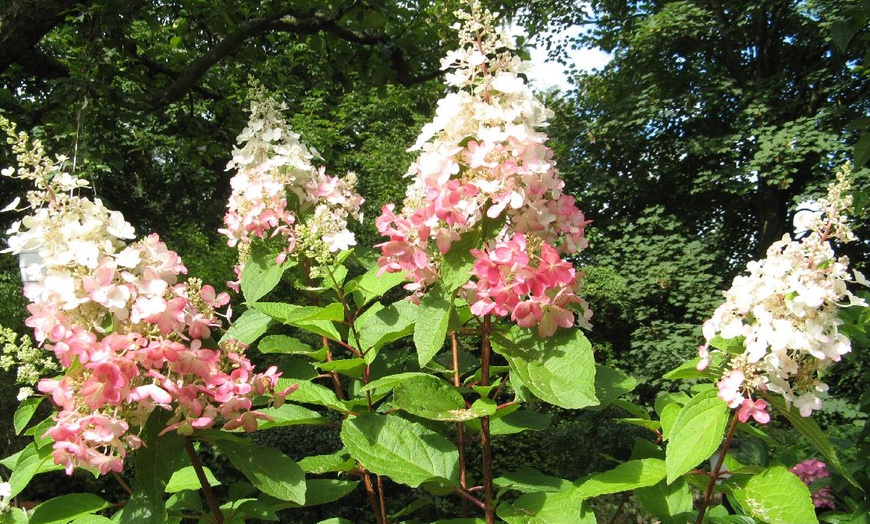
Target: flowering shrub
x,y
130,337
777,329
273,166
484,165
492,319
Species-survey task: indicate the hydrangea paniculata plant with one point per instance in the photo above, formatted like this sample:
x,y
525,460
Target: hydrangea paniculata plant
x,y
130,337
278,193
781,318
483,158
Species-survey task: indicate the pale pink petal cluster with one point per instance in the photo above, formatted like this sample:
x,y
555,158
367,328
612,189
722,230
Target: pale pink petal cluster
x,y
130,337
483,158
785,313
810,471
278,193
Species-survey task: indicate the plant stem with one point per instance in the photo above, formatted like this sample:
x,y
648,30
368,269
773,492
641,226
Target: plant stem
x,y
460,427
714,475
123,483
468,496
203,481
373,499
485,442
336,383
381,499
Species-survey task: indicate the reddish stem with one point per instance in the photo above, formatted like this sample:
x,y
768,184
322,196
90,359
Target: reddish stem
x,y
485,441
203,481
714,475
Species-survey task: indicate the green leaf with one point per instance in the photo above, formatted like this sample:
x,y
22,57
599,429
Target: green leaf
x,y
389,382
158,458
371,285
285,345
141,510
670,503
559,369
13,515
734,345
290,415
24,412
92,519
432,398
405,451
530,480
624,477
519,421
811,430
185,478
250,326
842,32
311,393
271,471
862,151
433,317
387,325
351,367
321,491
318,320
697,432
457,262
260,275
777,496
688,370
66,508
320,464
610,384
560,507
31,461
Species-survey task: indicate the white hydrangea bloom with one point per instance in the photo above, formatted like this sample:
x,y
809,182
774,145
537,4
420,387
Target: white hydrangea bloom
x,y
785,311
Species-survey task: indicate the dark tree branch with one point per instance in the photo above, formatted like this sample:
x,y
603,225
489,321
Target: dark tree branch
x,y
287,21
23,23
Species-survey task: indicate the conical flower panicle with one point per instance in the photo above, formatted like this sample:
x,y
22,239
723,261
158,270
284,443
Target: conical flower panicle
x,y
129,336
784,313
278,193
484,156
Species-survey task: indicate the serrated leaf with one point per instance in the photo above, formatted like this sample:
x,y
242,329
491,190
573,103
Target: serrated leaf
x,y
407,452
260,275
457,263
290,415
351,367
372,285
24,412
31,461
318,320
430,329
811,430
862,151
66,508
271,471
670,503
387,325
559,369
311,393
250,326
519,421
560,507
687,370
697,432
285,345
320,464
610,384
777,496
624,477
530,480
391,381
734,345
432,398
185,478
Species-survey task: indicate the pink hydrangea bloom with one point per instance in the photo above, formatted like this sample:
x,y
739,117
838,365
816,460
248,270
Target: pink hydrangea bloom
x,y
810,471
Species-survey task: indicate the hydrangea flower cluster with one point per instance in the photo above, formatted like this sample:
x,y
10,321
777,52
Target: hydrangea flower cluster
x,y
784,315
29,362
810,471
483,157
130,337
276,192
